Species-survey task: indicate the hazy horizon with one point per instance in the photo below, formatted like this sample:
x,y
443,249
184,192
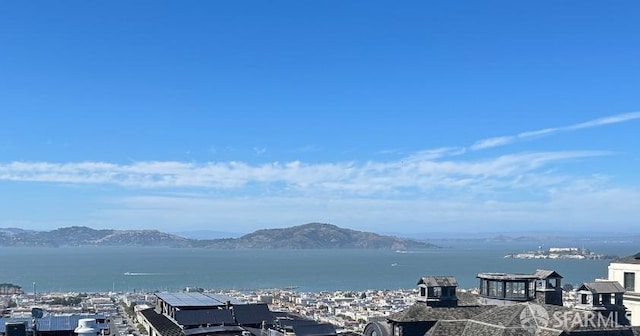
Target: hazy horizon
x,y
421,235
376,116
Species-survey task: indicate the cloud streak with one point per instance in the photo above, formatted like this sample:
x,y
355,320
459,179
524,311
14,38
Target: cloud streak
x,y
506,140
418,172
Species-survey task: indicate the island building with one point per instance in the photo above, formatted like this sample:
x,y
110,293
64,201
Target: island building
x,y
626,271
205,314
508,304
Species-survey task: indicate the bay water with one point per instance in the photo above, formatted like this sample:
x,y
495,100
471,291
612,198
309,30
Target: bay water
x,y
103,269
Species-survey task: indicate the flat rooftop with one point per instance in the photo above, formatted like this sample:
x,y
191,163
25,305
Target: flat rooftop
x,y
506,276
196,299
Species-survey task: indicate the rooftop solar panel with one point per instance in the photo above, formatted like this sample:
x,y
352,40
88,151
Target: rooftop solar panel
x,y
223,298
252,313
189,299
204,316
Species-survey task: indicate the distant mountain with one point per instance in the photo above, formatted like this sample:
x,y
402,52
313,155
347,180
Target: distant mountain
x,y
13,230
80,235
316,236
207,234
308,236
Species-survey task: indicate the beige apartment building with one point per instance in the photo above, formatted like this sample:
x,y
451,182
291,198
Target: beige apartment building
x,y
626,271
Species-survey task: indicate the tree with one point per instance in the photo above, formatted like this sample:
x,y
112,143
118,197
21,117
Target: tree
x,y
130,309
141,329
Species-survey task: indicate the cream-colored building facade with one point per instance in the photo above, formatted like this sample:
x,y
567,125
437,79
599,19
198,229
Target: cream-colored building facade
x,y
626,271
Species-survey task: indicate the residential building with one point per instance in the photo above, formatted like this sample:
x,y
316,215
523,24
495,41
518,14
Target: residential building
x,y
508,304
626,271
206,314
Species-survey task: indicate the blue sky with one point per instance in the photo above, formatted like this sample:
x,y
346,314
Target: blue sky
x,y
417,116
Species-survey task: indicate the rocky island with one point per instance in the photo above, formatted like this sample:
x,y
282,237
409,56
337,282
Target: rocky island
x,y
560,253
307,236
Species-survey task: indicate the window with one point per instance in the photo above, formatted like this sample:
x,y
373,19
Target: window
x,y
516,290
423,291
448,292
495,289
630,281
584,299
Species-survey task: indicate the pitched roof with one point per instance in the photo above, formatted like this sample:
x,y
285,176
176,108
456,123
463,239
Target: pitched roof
x,y
547,274
252,313
507,320
161,323
323,329
602,287
422,312
446,328
633,259
438,281
538,274
220,330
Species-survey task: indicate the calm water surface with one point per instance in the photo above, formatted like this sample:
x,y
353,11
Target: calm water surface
x,y
104,268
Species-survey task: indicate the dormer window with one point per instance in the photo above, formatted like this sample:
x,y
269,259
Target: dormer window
x,y
438,291
600,295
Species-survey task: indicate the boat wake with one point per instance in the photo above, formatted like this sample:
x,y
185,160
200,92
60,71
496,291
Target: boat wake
x,y
140,273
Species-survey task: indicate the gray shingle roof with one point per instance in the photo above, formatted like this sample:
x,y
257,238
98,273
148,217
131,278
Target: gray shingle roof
x,y
438,281
547,274
446,328
538,274
506,320
422,312
633,259
602,287
504,316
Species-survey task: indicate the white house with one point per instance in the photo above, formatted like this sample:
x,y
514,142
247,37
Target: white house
x,y
626,271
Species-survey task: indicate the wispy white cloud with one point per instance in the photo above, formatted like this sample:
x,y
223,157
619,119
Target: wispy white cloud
x,y
506,140
606,121
493,142
440,186
570,207
418,171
